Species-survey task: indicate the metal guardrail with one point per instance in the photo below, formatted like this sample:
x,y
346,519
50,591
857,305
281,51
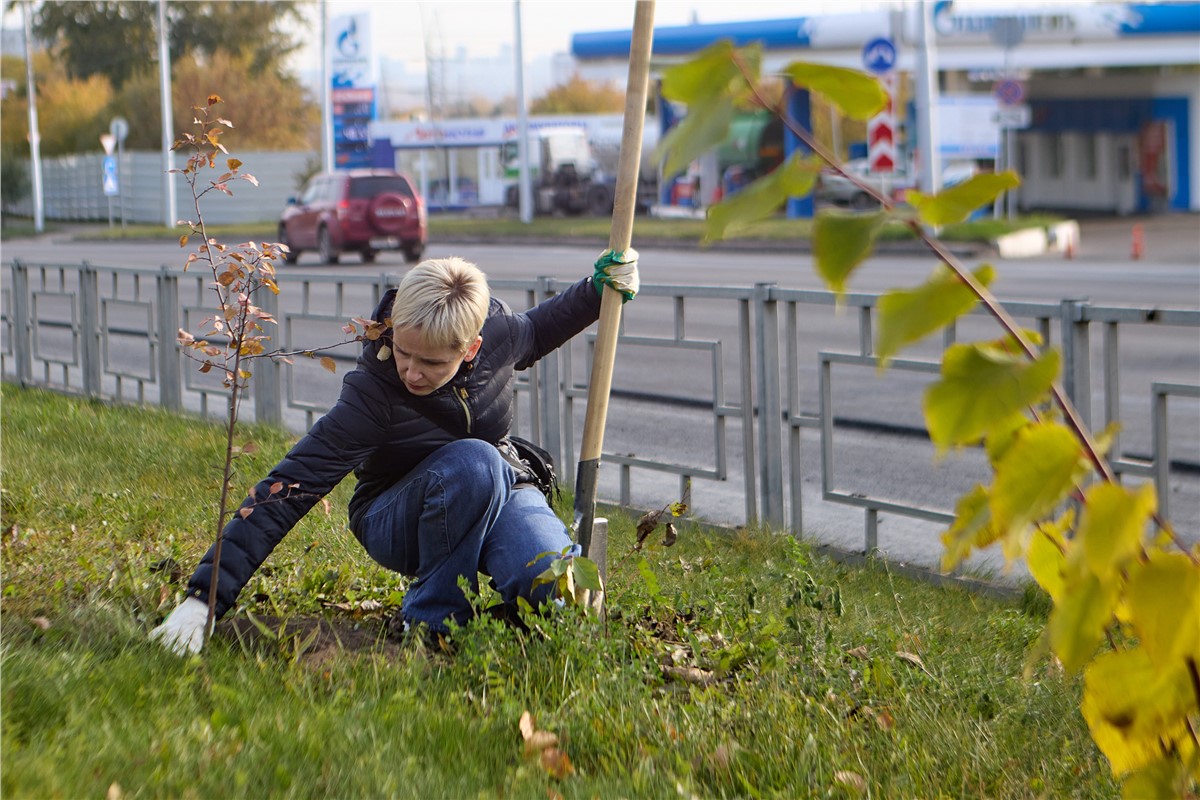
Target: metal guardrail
x,y
109,332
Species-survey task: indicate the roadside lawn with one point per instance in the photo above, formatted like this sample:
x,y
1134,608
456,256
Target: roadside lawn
x,y
730,665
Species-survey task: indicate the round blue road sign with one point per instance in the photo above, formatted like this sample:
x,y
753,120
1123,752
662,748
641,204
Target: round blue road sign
x,y
879,55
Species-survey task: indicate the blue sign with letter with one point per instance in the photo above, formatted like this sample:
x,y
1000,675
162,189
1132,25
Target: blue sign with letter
x,y
879,55
111,185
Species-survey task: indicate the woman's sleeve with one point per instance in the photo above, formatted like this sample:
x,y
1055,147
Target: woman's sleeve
x,y
553,322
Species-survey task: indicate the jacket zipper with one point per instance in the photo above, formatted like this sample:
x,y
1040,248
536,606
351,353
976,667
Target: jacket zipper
x,y
460,394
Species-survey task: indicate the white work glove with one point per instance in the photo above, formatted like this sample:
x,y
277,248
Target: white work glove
x,y
618,270
182,632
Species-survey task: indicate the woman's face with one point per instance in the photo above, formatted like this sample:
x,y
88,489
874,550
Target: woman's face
x,y
424,369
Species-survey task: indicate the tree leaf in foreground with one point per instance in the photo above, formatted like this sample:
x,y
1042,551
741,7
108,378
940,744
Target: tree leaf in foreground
x,y
856,94
982,385
794,178
1036,474
909,315
958,202
841,241
708,76
705,127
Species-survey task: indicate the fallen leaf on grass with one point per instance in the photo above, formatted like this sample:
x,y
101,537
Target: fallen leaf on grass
x,y
557,763
693,675
41,623
851,780
884,720
914,660
859,652
544,743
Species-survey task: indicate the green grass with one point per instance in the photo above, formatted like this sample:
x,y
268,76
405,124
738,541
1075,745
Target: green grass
x,y
808,680
508,228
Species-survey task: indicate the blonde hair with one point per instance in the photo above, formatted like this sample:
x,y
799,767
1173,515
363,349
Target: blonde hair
x,y
444,298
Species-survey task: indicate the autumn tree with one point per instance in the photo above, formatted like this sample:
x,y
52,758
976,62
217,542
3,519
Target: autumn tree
x,y
69,111
580,96
119,38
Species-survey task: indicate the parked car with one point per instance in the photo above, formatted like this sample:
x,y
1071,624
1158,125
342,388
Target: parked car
x,y
833,187
360,210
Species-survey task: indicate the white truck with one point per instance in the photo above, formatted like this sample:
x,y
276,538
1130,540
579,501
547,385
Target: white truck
x,y
570,174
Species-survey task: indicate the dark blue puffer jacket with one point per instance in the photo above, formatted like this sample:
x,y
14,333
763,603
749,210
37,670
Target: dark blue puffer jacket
x,y
381,431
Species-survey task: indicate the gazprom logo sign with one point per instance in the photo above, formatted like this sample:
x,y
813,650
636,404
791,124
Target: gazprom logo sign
x,y
1047,25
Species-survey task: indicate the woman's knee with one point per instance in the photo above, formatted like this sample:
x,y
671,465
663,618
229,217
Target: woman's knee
x,y
473,460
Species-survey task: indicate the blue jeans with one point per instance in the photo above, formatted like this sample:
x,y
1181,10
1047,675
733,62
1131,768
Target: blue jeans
x,y
457,514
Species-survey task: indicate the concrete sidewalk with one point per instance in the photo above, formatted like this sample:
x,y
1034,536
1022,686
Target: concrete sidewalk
x,y
1171,238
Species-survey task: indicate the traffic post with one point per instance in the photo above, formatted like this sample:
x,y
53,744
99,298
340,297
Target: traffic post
x,y
879,57
108,172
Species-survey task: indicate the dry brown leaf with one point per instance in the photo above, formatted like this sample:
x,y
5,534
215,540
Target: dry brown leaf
x,y
914,660
851,780
859,652
693,675
557,763
646,526
525,725
885,720
671,536
540,740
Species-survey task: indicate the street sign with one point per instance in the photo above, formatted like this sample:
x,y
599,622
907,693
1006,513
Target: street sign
x,y
119,128
108,141
111,185
1009,92
879,55
1018,117
881,128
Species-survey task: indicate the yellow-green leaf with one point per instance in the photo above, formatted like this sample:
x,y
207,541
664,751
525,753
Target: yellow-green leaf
x,y
1046,561
857,94
709,74
971,528
1078,621
1002,435
759,200
1035,475
587,574
705,127
957,203
1134,708
1163,779
841,241
981,387
1164,607
909,315
1113,524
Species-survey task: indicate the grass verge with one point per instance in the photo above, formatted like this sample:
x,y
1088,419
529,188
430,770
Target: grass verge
x,y
793,676
508,228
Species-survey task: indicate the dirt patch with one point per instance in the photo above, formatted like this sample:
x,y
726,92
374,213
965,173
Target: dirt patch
x,y
318,639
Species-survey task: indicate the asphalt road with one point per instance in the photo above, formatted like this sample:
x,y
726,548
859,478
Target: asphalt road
x,y
867,459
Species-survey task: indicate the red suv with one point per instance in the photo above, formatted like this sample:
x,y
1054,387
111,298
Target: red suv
x,y
365,210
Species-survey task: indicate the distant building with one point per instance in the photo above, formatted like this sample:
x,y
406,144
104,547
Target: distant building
x,y
1106,96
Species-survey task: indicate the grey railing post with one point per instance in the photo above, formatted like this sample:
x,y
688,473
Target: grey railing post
x,y
170,373
1077,358
22,333
770,439
268,393
550,387
89,333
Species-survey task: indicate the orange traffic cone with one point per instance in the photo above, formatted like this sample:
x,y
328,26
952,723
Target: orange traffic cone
x,y
1139,242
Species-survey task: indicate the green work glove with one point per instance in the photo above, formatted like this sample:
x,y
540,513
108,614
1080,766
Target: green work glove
x,y
618,270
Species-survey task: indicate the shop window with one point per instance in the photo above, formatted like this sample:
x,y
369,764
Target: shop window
x,y
1055,156
1087,158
